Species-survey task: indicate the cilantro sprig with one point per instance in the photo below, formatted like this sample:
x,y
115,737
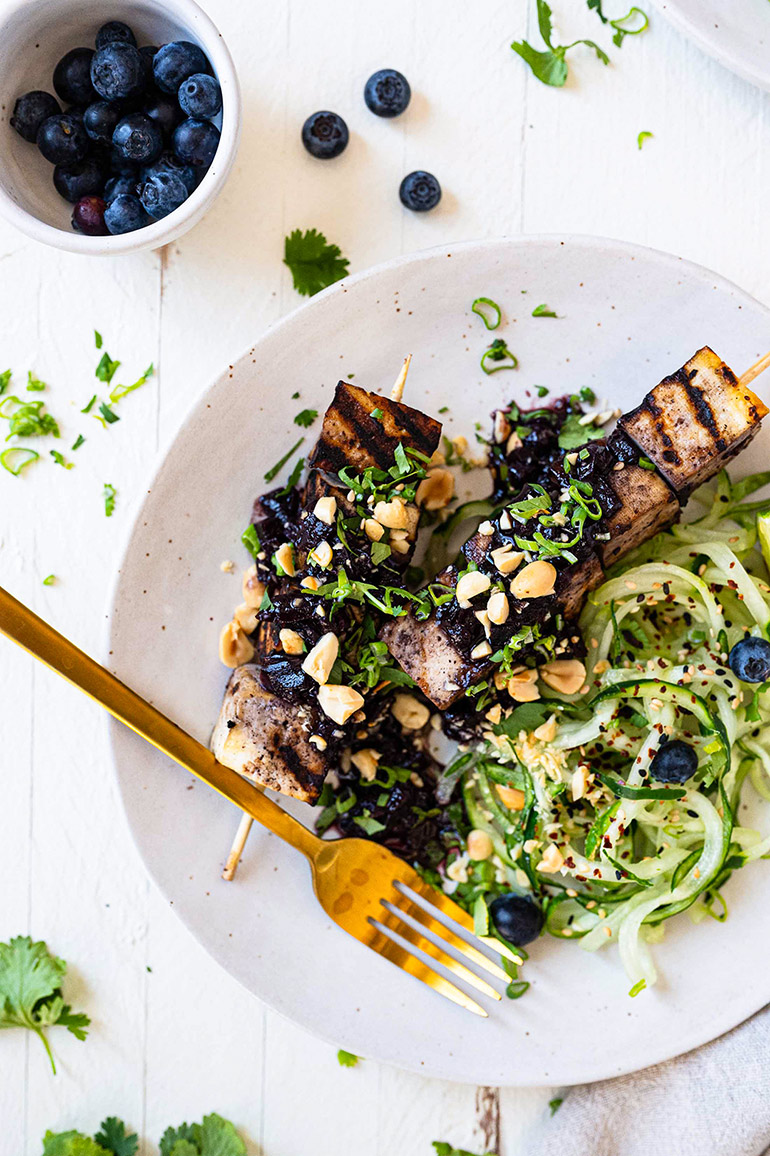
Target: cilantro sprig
x,y
549,65
214,1136
30,992
314,262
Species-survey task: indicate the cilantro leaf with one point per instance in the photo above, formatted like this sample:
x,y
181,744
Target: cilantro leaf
x,y
106,369
572,434
30,991
71,1144
550,65
306,417
380,551
555,1104
214,1137
314,263
444,1149
346,1059
184,1133
113,1138
369,824
5,378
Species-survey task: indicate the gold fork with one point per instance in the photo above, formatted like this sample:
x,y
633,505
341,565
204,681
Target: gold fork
x,y
364,888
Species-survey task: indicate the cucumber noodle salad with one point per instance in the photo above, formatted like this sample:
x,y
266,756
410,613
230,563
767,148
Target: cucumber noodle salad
x,y
609,852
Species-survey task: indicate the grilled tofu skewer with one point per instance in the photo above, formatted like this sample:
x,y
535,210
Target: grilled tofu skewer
x,y
682,433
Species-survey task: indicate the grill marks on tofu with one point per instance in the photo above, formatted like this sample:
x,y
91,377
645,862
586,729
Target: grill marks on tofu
x,y
351,437
430,657
695,421
266,739
647,505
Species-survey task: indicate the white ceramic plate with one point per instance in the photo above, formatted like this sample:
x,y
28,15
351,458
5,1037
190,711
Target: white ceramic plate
x,y
734,32
627,316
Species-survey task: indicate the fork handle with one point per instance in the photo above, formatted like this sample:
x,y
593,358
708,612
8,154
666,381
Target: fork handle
x,y
24,627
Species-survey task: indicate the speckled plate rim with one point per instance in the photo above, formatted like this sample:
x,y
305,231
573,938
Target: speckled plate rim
x,y
707,39
593,1065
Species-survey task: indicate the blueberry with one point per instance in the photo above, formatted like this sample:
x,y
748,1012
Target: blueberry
x,y
121,166
200,96
125,213
114,30
100,119
387,93
148,52
83,179
118,71
174,62
518,920
196,142
750,659
88,217
169,163
674,762
72,76
62,139
119,187
162,193
420,192
164,110
30,111
325,135
138,138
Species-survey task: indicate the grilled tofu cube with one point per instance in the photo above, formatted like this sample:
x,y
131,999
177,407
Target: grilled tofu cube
x,y
574,583
429,656
647,505
351,437
693,422
267,739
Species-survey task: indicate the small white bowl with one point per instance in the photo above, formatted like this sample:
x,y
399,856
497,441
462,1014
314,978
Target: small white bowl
x,y
34,36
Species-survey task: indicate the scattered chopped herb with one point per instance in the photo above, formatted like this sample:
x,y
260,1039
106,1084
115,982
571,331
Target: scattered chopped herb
x,y
543,311
5,378
555,1104
109,499
498,352
444,409
313,262
30,991
106,369
377,414
27,420
98,342
121,391
587,394
543,391
306,417
643,136
444,1149
346,1059
646,464
15,459
50,580
34,384
215,1136
550,66
572,434
108,416
78,442
60,460
380,551
294,476
250,539
488,310
295,395
640,985
88,408
271,473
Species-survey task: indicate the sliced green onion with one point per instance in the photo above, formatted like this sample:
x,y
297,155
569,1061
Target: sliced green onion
x,y
17,458
271,473
488,310
498,352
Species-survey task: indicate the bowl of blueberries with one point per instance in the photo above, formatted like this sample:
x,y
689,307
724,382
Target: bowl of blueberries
x,y
117,134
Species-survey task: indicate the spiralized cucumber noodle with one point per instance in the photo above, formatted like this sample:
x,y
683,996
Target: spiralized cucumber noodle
x,y
609,852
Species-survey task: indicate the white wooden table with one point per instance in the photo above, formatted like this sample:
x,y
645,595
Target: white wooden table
x,y
173,1036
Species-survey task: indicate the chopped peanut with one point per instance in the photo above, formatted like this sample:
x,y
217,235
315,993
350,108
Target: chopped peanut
x,y
506,559
325,509
319,662
412,715
536,580
339,702
471,584
511,797
253,589
234,646
291,641
566,675
284,556
436,490
480,845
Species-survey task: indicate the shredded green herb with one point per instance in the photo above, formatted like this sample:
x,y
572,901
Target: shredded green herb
x,y
34,384
121,391
643,136
89,406
543,311
60,460
549,65
271,473
109,499
78,442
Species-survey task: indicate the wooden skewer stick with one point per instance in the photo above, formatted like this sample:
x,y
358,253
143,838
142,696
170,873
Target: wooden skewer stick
x,y
397,392
755,370
239,842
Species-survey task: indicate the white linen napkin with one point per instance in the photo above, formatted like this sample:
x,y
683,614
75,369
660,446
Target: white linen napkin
x,y
714,1101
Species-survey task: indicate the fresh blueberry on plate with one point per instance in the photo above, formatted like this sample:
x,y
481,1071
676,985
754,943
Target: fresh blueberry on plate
x,y
200,96
674,762
114,30
62,139
162,193
30,111
325,135
196,142
420,191
100,120
124,213
174,62
72,76
82,179
88,217
138,138
118,71
119,187
750,659
518,920
170,163
164,110
387,93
